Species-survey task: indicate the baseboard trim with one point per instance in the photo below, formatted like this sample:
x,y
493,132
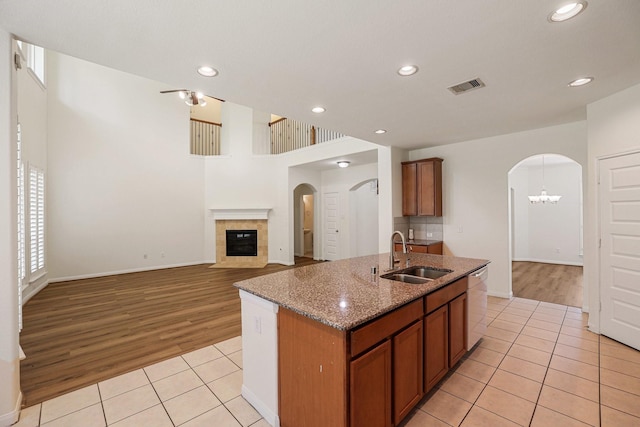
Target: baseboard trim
x,y
12,417
32,292
547,261
130,270
508,295
269,416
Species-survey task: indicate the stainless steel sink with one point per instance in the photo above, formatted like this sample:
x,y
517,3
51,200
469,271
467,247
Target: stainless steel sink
x,y
416,275
426,272
406,278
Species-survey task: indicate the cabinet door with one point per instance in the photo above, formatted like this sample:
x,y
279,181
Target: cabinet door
x,y
436,347
409,190
429,190
370,388
436,248
457,328
407,370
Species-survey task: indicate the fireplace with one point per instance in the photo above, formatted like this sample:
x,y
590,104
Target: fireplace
x,y
242,242
229,223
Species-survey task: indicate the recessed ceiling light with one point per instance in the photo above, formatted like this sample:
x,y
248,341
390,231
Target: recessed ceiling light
x,y
568,11
343,163
408,70
207,71
318,110
581,81
380,131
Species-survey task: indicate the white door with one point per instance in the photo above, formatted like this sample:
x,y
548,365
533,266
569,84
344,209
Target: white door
x,y
331,221
619,197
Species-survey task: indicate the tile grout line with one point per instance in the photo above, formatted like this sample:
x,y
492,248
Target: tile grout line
x,y
159,398
494,372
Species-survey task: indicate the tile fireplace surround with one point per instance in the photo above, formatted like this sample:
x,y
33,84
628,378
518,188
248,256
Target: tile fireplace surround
x,y
241,219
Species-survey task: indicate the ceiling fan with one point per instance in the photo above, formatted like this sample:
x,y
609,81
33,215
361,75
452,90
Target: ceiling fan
x,y
191,97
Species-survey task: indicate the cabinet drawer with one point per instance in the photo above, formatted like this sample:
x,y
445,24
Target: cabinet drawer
x,y
446,294
387,325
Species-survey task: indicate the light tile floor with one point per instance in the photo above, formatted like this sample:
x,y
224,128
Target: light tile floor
x,y
201,388
536,366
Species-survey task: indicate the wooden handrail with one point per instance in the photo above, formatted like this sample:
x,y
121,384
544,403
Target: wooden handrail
x,y
277,121
210,123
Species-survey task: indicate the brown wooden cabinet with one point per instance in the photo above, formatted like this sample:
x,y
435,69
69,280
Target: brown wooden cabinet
x,y
422,187
370,388
434,248
436,348
457,329
373,375
444,331
407,370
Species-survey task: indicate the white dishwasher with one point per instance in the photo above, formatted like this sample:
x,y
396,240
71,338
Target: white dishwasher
x,y
477,306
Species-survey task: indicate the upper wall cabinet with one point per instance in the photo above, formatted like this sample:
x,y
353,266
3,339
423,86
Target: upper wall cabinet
x,y
422,187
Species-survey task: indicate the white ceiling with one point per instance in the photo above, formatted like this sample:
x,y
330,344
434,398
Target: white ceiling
x,y
286,56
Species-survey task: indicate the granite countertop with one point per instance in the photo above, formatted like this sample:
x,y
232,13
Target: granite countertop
x,y
344,294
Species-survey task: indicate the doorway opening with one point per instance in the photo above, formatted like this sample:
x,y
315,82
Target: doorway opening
x,y
304,218
546,239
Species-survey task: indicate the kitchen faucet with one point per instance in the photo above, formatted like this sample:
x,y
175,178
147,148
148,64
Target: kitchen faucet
x,y
392,252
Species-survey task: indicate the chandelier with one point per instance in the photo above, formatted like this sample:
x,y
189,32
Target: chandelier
x,y
543,197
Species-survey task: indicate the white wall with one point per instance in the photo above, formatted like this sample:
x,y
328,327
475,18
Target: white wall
x,y
363,202
614,126
122,183
475,181
240,179
10,396
390,192
548,232
519,186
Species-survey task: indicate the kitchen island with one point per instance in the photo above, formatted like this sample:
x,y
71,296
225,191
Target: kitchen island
x,y
336,344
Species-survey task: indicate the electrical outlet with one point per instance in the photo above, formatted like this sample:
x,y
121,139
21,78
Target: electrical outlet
x,y
429,234
162,255
145,256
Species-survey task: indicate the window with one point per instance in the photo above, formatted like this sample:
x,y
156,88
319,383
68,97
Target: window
x,y
35,61
36,220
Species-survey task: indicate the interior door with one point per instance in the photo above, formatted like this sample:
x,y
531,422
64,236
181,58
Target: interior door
x,y
619,197
331,221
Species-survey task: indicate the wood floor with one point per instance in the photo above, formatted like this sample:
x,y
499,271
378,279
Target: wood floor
x,y
560,284
81,332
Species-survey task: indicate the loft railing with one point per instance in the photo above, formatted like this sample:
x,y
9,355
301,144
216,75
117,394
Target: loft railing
x,y
205,138
289,135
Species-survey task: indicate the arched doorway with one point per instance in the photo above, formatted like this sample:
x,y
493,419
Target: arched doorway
x,y
363,207
304,219
546,251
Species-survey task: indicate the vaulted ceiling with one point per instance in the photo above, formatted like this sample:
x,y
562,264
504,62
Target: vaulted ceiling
x,y
287,56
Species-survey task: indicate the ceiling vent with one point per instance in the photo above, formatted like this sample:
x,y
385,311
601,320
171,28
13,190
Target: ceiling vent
x,y
466,86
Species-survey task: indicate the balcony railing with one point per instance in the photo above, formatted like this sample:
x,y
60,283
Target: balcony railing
x,y
289,135
205,138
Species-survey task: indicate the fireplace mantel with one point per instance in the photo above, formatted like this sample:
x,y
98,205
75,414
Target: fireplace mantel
x,y
241,213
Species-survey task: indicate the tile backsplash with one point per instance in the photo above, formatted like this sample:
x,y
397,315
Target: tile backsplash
x,y
424,227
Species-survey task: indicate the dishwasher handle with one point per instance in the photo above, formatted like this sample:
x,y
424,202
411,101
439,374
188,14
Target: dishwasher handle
x,y
481,274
